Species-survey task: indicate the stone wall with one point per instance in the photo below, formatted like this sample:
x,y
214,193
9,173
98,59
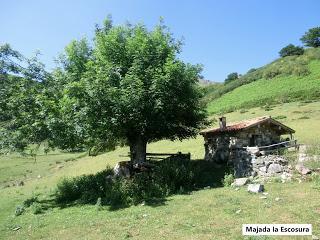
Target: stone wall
x,y
233,148
217,149
250,162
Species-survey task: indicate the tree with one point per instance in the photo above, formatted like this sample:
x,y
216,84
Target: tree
x,y
231,77
22,96
134,90
312,37
291,50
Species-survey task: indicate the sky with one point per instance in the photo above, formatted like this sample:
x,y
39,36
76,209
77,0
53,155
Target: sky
x,y
224,36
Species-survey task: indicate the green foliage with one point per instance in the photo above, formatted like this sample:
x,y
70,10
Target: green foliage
x,y
84,189
28,202
312,37
168,177
291,50
22,98
228,180
283,88
287,67
130,87
279,117
36,208
231,77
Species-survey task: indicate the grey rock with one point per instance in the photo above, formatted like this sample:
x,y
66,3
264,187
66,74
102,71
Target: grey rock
x,y
302,169
274,168
255,188
238,182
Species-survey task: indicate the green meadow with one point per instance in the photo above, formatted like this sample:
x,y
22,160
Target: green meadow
x,y
216,213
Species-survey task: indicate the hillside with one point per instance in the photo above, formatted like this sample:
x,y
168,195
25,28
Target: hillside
x,y
284,80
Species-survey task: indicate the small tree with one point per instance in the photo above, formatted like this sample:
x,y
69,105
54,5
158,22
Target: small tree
x,y
291,50
231,77
312,37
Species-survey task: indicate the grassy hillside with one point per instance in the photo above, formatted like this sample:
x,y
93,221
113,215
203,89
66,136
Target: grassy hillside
x,y
285,80
204,214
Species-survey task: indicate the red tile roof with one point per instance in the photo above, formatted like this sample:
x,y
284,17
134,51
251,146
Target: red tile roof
x,y
238,126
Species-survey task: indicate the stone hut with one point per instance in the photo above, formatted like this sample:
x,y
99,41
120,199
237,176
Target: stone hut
x,y
240,143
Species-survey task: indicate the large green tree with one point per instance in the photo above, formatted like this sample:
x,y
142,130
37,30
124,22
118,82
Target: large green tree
x,y
130,88
312,37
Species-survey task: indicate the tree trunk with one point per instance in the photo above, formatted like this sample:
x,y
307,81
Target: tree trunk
x,y
138,149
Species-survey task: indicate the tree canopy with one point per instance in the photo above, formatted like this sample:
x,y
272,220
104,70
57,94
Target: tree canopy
x,y
312,37
131,89
126,87
22,100
231,77
291,50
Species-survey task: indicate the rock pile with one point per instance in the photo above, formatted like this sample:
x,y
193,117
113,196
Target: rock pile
x,y
270,165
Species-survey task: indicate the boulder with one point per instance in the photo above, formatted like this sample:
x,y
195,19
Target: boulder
x,y
239,182
122,169
274,168
255,188
302,169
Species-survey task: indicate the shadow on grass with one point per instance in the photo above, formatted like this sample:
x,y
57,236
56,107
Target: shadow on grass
x,y
180,177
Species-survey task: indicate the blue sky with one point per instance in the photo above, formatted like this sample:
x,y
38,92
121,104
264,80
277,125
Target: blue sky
x,y
224,36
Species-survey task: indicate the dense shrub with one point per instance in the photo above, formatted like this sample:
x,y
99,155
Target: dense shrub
x,y
36,208
85,188
231,77
168,177
291,50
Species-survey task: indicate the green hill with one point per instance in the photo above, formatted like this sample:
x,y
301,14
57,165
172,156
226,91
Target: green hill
x,y
284,80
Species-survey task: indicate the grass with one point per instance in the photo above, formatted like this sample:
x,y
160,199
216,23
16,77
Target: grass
x,y
204,214
280,89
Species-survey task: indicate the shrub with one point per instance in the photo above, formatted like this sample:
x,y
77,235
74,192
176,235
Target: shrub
x,y
28,202
168,177
36,208
231,77
271,72
228,180
291,50
85,188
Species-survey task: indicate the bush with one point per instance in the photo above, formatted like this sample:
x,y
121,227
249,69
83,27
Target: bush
x,y
291,50
85,188
231,77
28,202
228,180
36,208
168,177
